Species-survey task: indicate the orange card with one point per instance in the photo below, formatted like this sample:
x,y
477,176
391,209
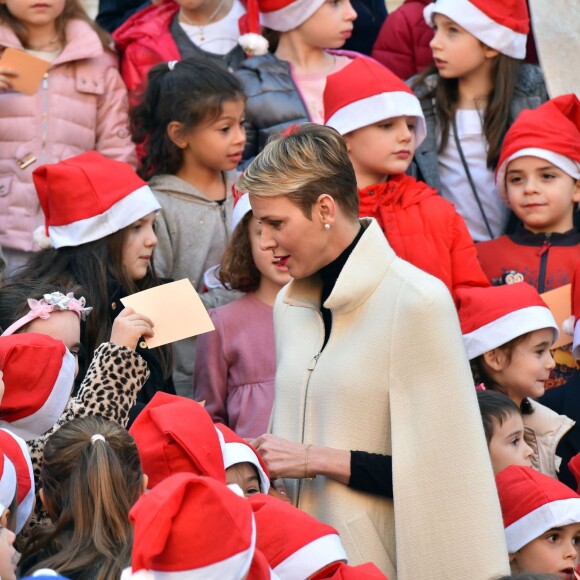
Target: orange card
x,y
30,69
560,303
176,310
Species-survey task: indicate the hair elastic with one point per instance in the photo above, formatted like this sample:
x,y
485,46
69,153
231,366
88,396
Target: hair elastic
x,y
171,64
56,301
98,437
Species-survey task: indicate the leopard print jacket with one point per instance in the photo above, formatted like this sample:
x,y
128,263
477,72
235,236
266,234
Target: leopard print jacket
x,y
109,389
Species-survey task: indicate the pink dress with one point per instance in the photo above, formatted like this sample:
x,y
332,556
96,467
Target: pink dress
x,y
235,366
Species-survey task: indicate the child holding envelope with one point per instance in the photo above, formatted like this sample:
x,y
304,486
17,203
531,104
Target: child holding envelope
x,y
79,105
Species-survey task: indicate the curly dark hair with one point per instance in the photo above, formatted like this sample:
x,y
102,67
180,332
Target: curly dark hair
x,y
238,270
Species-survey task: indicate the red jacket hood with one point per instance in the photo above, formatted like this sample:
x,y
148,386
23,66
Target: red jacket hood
x,y
402,189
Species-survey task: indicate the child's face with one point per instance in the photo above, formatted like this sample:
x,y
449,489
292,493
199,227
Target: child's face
x,y
246,476
65,326
272,272
138,247
7,554
33,13
528,370
554,552
381,149
330,26
215,146
456,52
541,195
507,446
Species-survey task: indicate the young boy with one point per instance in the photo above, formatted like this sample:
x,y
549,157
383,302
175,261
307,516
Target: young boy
x,y
382,123
538,175
542,522
504,431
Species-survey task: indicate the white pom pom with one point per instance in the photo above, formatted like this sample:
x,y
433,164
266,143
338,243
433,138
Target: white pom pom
x,y
253,44
41,239
568,325
126,574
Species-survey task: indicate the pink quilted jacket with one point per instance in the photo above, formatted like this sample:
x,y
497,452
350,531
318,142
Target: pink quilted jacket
x,y
80,106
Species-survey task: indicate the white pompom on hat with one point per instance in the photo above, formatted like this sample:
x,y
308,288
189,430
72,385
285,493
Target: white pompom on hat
x,y
533,503
503,25
88,197
192,527
492,316
365,92
17,452
38,378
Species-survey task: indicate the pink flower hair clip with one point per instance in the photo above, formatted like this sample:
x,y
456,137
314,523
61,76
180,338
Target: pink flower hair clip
x,y
55,301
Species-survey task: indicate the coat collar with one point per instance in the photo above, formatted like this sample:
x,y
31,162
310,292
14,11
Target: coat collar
x,y
362,273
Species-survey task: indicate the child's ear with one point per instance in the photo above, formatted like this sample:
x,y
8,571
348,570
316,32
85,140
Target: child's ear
x,y
144,483
495,359
346,139
4,518
576,194
175,133
490,52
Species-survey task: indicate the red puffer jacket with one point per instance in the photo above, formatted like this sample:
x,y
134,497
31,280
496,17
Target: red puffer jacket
x,y
403,42
424,229
143,41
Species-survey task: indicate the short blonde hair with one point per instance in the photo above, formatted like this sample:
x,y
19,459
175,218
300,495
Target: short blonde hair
x,y
307,161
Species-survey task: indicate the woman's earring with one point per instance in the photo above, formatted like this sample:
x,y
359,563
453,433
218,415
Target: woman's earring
x,y
326,227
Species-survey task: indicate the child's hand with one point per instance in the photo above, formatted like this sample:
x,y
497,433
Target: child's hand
x,y
6,77
129,326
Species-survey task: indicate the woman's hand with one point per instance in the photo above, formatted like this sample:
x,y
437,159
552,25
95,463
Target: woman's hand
x,y
284,458
6,77
129,327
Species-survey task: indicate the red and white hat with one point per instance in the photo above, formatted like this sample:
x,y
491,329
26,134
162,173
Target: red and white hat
x,y
572,325
237,450
342,571
550,132
503,25
191,527
493,316
88,197
17,452
38,378
8,481
283,15
295,544
533,503
365,92
175,434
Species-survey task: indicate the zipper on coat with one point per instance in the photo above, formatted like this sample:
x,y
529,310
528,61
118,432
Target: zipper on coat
x,y
224,218
44,120
543,254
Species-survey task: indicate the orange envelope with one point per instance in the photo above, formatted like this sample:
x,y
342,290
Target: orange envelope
x,y
30,69
560,303
175,309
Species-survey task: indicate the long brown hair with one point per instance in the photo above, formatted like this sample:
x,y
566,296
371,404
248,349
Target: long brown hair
x,y
89,486
73,10
496,115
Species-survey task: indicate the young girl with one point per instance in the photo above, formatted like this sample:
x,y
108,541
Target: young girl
x,y
191,122
508,332
80,105
476,89
91,476
235,365
100,220
286,87
382,124
207,30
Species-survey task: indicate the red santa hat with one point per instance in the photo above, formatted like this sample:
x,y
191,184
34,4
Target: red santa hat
x,y
88,197
17,452
533,503
492,316
7,482
175,434
550,132
38,378
280,15
237,450
191,527
365,92
572,325
503,25
295,544
342,571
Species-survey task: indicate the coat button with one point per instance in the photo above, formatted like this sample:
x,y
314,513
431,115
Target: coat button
x,y
142,344
114,306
